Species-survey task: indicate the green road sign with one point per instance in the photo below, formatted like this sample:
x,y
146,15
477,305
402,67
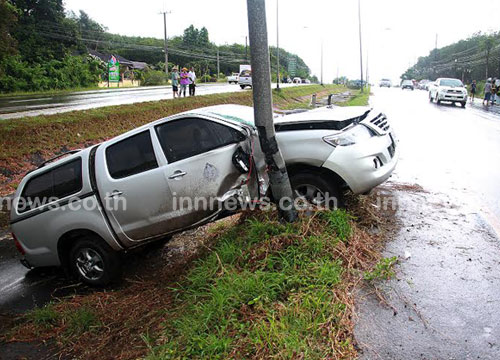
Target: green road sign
x,y
113,70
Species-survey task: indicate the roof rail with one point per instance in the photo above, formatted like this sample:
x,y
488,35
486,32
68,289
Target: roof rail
x,y
59,156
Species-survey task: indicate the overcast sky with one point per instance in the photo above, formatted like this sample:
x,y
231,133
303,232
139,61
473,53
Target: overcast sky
x,y
395,32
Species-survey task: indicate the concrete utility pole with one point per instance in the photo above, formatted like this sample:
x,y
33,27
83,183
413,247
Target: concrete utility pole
x,y
165,39
360,45
321,61
246,48
218,64
263,110
277,46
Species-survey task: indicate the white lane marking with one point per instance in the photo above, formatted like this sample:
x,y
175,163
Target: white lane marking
x,y
12,284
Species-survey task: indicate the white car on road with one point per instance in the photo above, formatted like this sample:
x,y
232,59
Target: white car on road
x,y
447,89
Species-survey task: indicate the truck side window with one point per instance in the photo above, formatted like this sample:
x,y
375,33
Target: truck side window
x,y
59,182
131,156
181,139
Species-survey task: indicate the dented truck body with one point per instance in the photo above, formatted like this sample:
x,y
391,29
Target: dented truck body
x,y
179,172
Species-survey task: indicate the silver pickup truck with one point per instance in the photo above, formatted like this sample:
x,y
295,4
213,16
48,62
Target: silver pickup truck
x,y
82,210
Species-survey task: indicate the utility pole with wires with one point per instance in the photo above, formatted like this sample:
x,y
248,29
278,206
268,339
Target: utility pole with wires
x,y
246,48
360,45
165,38
277,46
218,63
321,61
263,110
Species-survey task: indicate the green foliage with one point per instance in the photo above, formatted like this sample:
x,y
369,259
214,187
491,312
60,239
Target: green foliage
x,y
45,316
383,270
8,20
273,271
469,58
71,71
81,320
153,77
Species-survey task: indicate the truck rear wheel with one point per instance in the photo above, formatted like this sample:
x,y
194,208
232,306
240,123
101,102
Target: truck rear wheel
x,y
94,262
242,86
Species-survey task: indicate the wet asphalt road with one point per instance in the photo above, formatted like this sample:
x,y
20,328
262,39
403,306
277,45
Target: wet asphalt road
x,y
444,302
20,106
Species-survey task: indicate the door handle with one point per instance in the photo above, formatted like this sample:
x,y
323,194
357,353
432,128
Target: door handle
x,y
114,194
177,174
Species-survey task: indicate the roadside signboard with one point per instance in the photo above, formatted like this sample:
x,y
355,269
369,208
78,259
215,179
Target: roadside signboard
x,y
292,67
113,69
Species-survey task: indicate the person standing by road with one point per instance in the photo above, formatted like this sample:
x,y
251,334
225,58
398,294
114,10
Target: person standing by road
x,y
493,91
192,81
473,89
175,82
487,92
184,82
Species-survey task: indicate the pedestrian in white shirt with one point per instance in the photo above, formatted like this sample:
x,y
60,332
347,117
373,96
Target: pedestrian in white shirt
x,y
192,81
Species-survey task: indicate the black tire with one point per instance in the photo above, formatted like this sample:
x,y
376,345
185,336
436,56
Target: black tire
x,y
430,97
242,86
104,257
463,103
324,184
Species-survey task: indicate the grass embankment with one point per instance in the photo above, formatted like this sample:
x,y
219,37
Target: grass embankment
x,y
257,289
26,142
358,99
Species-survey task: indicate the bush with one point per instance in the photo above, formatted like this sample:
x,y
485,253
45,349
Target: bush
x,y
70,72
205,78
153,77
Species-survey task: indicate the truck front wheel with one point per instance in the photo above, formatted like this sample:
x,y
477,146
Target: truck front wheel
x,y
316,189
94,262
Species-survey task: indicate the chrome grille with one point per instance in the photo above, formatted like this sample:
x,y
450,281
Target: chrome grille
x,y
381,122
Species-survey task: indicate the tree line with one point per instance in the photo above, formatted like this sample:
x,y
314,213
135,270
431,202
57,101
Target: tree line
x,y
475,58
44,47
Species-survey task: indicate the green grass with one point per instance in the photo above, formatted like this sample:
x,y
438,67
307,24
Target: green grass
x,y
359,98
76,321
50,92
266,290
45,316
383,270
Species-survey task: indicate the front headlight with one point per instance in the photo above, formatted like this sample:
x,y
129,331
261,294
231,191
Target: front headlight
x,y
356,134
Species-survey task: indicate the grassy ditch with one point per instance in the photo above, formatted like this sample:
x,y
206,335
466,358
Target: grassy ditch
x,y
359,98
26,142
252,288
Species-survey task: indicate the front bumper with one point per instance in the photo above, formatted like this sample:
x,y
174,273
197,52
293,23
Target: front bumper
x,y
452,97
367,164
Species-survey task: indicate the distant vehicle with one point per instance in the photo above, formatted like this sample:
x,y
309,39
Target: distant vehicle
x,y
407,84
233,79
385,82
423,84
297,80
245,78
306,81
447,89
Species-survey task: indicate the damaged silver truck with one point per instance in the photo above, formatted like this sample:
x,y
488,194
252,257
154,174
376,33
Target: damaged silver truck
x,y
82,210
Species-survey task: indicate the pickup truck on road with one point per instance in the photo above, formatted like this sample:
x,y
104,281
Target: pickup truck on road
x,y
82,210
233,79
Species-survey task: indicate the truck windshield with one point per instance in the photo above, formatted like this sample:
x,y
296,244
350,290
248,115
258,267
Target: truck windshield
x,y
451,82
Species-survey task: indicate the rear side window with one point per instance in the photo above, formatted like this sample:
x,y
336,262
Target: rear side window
x,y
131,156
181,139
60,182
